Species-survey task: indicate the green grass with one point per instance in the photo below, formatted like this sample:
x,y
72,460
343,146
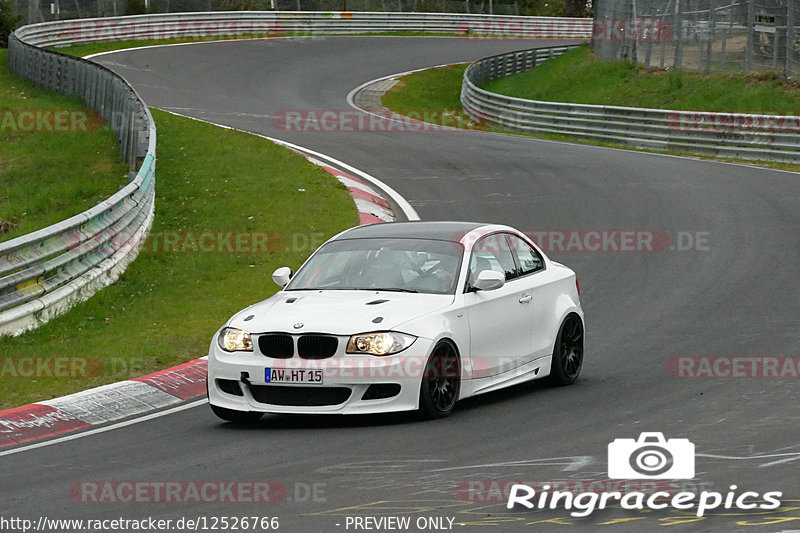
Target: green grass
x,y
166,306
432,95
440,88
580,77
48,176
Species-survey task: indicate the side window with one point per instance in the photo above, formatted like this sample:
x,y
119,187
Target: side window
x,y
529,259
492,253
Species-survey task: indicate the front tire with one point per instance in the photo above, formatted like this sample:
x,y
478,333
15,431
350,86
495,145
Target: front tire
x,y
237,417
441,382
567,352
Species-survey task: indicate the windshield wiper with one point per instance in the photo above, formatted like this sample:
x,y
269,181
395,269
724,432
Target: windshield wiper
x,y
390,289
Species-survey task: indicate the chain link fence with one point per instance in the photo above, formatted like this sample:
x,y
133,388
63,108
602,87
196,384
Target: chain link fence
x,y
51,10
701,35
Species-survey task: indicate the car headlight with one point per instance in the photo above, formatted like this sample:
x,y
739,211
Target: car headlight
x,y
235,340
380,343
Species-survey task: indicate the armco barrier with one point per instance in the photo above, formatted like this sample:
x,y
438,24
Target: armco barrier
x,y
285,23
736,135
43,273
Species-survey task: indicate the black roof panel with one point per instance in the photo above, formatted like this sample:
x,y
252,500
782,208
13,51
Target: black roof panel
x,y
441,231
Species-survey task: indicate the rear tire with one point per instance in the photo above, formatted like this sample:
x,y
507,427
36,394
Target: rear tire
x,y
441,382
567,352
237,417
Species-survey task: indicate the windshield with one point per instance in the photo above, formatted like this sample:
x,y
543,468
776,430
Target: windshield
x,y
402,265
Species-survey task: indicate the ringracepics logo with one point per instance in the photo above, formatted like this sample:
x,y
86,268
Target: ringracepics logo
x,y
652,457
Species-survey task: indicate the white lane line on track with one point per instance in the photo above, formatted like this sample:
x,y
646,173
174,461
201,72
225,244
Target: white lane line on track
x,y
290,37
351,95
408,210
787,458
98,54
103,429
569,463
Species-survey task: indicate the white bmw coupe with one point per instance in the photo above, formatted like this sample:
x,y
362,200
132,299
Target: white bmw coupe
x,y
400,316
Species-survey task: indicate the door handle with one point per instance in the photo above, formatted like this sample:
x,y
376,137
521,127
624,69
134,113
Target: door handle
x,y
525,298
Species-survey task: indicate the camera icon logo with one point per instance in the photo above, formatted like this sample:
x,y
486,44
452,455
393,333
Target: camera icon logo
x,y
651,457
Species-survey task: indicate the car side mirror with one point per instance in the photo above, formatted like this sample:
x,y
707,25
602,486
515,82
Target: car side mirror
x,y
489,280
282,276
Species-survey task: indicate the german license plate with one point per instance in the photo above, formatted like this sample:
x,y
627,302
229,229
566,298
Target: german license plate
x,y
293,375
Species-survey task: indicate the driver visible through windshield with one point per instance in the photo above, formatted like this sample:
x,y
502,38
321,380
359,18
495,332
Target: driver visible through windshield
x,y
393,264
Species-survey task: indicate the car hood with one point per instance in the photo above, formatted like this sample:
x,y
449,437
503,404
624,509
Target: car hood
x,y
337,312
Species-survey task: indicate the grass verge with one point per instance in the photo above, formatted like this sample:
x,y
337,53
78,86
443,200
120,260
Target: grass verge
x,y
168,303
440,89
432,96
57,159
579,76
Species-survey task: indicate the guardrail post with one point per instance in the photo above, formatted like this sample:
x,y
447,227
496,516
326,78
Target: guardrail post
x,y
711,29
751,35
789,63
679,9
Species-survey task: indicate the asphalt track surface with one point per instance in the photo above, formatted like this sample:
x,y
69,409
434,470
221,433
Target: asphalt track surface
x,y
735,295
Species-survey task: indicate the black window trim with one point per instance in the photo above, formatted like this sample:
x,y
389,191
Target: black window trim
x,y
517,268
519,263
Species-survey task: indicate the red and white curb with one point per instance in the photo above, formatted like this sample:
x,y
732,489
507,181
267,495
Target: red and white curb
x,y
131,398
372,207
102,405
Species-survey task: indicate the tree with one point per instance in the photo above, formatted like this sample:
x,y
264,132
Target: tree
x,y
9,20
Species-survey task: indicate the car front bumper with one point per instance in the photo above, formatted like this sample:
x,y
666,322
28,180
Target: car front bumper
x,y
351,384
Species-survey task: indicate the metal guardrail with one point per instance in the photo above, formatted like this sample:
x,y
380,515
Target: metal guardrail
x,y
734,135
281,23
44,272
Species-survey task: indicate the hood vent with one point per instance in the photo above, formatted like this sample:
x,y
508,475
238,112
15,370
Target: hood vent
x,y
376,302
290,300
